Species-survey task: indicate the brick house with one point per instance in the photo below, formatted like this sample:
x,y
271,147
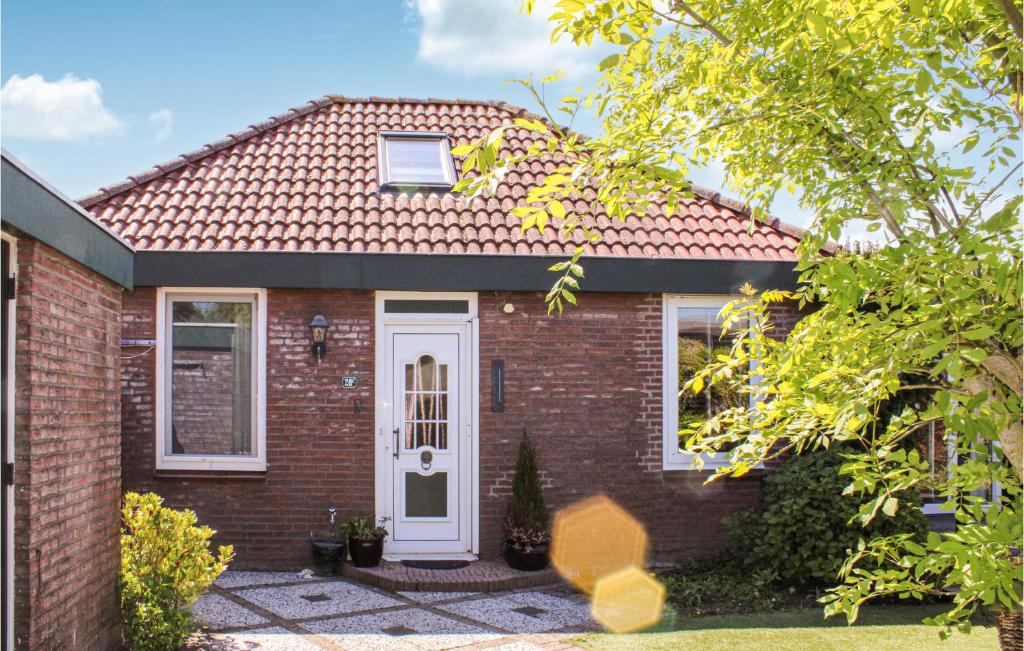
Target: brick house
x,y
63,277
438,351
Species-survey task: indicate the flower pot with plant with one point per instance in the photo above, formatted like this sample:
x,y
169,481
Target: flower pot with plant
x,y
365,541
526,518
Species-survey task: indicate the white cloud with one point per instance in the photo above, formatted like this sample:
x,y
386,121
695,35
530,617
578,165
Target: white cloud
x,y
480,37
66,109
162,122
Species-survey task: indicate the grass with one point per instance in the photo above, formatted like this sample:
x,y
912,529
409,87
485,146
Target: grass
x,y
879,628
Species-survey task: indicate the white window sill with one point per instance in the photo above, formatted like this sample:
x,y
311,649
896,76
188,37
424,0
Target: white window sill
x,y
230,464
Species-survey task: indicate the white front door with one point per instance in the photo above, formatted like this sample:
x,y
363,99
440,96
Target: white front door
x,y
427,417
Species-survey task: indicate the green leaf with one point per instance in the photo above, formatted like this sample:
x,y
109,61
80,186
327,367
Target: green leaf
x,y
890,506
608,62
979,333
817,25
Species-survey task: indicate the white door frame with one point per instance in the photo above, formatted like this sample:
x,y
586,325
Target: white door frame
x,y
383,440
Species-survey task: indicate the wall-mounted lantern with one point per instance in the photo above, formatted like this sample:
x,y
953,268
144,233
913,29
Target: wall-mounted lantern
x,y
318,331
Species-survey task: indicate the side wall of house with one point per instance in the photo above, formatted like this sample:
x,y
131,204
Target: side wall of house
x,y
67,453
586,386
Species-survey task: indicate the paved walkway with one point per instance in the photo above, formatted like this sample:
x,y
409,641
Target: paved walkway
x,y
278,611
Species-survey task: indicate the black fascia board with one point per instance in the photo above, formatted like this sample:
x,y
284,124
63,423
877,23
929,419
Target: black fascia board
x,y
451,272
29,207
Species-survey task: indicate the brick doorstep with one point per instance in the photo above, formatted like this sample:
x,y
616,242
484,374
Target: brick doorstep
x,y
478,576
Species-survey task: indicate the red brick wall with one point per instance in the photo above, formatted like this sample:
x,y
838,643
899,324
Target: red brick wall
x,y
67,453
586,385
319,436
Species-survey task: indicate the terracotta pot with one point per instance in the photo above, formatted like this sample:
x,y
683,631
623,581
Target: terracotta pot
x,y
532,561
327,555
366,553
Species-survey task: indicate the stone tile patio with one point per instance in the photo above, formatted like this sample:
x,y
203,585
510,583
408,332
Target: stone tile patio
x,y
272,611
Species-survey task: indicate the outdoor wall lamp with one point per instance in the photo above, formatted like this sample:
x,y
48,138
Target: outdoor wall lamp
x,y
318,331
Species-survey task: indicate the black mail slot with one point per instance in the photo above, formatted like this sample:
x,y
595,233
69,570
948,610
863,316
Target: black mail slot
x,y
498,385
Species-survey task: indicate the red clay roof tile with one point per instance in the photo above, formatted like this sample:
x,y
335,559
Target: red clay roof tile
x,y
306,180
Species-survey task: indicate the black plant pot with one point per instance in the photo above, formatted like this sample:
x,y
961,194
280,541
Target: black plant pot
x,y
327,555
531,561
366,553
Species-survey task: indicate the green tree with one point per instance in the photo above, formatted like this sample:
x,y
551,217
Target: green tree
x,y
842,103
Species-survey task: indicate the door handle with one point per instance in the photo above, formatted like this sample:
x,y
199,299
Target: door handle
x,y
395,450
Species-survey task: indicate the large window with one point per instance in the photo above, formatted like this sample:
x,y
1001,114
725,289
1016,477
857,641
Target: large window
x,y
210,400
692,338
415,160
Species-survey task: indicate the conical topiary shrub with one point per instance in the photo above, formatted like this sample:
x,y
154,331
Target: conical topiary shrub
x,y
526,518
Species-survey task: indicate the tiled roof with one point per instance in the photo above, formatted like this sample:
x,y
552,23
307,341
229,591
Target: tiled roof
x,y
307,181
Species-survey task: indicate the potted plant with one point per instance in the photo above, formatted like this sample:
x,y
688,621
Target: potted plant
x,y
328,548
365,541
526,518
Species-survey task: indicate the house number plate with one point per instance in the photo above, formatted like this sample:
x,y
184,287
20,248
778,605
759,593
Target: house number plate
x,y
349,382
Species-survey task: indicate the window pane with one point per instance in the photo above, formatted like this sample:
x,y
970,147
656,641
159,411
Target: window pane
x,y
700,341
933,446
426,497
415,160
426,404
211,378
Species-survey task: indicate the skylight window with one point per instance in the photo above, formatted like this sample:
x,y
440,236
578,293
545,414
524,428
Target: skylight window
x,y
410,159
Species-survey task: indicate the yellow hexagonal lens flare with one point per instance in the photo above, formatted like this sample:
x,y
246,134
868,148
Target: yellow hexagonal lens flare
x,y
627,601
594,538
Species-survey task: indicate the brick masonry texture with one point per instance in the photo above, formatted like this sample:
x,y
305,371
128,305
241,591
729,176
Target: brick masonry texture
x,y
67,454
319,436
307,181
586,386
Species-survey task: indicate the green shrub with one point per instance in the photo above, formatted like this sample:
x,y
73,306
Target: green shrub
x,y
719,584
806,525
166,565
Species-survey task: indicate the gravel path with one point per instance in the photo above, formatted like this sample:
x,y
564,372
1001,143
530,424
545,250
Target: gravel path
x,y
279,611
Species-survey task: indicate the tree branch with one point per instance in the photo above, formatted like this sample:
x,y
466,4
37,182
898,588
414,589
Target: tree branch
x,y
1013,16
685,8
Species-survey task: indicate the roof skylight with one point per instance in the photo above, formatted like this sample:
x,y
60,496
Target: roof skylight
x,y
413,159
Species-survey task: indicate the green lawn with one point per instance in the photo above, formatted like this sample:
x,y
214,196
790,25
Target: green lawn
x,y
880,628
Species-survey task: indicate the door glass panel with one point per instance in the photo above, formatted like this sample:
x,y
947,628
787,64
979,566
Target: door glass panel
x,y
426,497
426,404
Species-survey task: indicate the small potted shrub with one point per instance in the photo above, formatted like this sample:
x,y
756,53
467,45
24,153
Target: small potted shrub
x,y
365,541
526,519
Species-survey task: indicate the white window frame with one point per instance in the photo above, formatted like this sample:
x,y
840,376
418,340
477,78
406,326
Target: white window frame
x,y
446,160
953,458
249,463
672,458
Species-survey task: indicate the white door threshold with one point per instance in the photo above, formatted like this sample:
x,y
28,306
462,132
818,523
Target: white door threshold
x,y
430,556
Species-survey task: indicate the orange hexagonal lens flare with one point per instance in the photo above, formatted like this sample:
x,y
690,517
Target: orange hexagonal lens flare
x,y
594,538
627,601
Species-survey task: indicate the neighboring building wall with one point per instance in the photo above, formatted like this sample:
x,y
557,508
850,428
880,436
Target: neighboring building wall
x,y
586,385
67,453
204,383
